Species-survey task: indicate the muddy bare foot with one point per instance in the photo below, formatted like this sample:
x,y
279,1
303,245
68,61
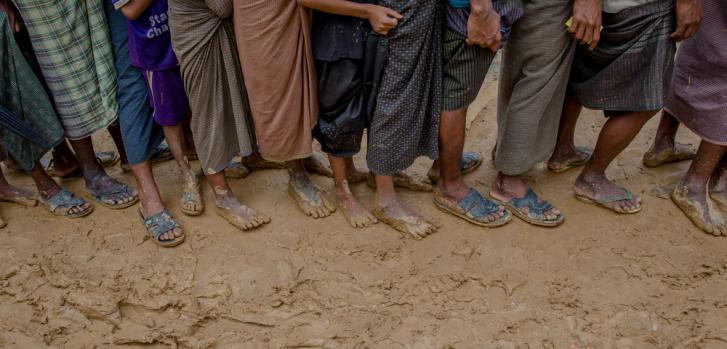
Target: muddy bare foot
x,y
598,190
308,197
318,164
356,214
698,209
565,159
404,219
403,180
663,154
237,214
10,193
192,204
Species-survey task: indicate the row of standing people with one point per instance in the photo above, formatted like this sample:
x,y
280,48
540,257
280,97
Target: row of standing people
x,y
405,70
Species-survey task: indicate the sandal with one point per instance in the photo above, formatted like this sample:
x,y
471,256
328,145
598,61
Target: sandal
x,y
473,208
161,154
680,152
471,160
627,196
107,158
63,202
191,195
159,224
561,167
537,209
103,197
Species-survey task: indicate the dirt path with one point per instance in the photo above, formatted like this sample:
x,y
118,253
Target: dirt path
x,y
601,281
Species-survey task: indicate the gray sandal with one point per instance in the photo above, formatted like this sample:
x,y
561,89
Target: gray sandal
x,y
161,223
63,202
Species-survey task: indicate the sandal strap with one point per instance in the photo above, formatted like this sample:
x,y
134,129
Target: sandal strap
x,y
64,198
477,205
530,200
626,196
159,223
469,158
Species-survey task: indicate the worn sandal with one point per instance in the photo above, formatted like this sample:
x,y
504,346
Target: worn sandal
x,y
103,197
537,209
627,196
473,208
562,167
63,202
159,224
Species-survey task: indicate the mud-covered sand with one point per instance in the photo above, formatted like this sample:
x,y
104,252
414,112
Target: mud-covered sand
x,y
649,280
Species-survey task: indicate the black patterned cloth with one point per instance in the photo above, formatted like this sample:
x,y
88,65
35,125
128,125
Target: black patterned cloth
x,y
405,122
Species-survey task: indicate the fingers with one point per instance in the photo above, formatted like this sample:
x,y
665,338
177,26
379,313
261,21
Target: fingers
x,y
596,37
495,45
678,35
393,14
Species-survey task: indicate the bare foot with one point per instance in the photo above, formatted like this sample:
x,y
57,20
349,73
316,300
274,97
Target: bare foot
x,y
16,195
568,157
237,214
308,196
403,219
661,154
603,192
192,204
317,164
356,215
698,209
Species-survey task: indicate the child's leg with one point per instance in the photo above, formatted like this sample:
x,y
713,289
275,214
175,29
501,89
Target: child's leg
x,y
192,203
356,214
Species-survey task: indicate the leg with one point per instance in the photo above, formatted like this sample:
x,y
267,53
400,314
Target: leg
x,y
690,193
64,160
14,194
356,215
108,191
308,197
451,188
665,149
566,155
115,132
230,208
718,185
151,201
353,174
390,210
592,184
192,203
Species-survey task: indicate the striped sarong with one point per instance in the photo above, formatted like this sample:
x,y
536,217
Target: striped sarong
x,y
631,68
699,87
23,98
72,44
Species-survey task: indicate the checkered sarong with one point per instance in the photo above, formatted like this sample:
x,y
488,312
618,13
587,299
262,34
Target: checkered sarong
x,y
71,41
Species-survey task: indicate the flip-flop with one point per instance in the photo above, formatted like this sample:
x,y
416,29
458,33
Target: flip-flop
x,y
62,202
680,152
24,201
102,196
161,223
473,208
471,160
530,200
627,196
562,167
407,182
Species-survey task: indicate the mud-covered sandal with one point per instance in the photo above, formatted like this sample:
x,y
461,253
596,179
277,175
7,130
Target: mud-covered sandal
x,y
107,158
104,197
471,160
680,152
191,195
627,196
161,223
537,209
561,167
473,208
63,202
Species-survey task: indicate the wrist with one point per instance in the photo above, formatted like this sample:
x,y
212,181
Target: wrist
x,y
367,11
481,10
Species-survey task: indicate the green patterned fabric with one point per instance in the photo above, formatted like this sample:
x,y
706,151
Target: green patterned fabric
x,y
22,93
71,42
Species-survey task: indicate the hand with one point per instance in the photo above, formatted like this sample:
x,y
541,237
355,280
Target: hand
x,y
13,16
382,18
586,27
484,31
689,15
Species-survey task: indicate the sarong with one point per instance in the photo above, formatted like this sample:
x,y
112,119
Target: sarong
x,y
204,42
141,134
631,68
24,97
699,87
533,81
72,44
274,43
405,122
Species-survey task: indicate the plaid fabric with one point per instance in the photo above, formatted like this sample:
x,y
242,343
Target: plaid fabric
x,y
631,68
72,44
465,68
22,96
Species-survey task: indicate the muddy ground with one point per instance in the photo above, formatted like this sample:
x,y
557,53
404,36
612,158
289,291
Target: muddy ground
x,y
649,280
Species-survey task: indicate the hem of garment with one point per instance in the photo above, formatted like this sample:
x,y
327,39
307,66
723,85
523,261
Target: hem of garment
x,y
290,158
150,153
94,130
396,171
689,126
459,106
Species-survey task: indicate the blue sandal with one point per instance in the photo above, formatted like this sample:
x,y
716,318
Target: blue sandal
x,y
159,224
63,202
537,209
473,208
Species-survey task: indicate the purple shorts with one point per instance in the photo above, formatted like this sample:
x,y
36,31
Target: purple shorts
x,y
167,96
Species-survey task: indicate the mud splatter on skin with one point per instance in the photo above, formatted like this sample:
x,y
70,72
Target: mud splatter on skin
x,y
650,280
